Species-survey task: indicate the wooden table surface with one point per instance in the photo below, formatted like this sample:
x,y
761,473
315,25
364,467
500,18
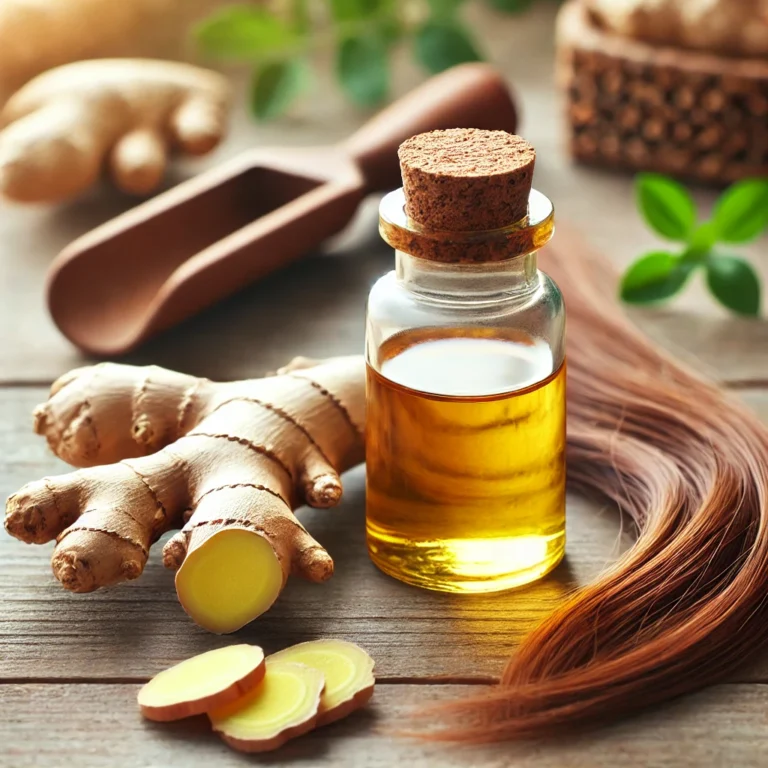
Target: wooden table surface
x,y
70,665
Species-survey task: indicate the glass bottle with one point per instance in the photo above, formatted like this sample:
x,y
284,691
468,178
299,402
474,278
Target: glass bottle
x,y
466,401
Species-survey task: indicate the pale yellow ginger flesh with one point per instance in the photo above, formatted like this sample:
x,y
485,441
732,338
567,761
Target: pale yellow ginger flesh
x,y
203,683
63,128
284,706
257,706
233,578
208,458
348,672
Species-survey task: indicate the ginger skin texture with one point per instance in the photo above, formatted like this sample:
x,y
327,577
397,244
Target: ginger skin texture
x,y
38,35
224,462
730,27
62,128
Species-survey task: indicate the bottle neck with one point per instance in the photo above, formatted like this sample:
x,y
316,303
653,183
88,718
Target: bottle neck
x,y
488,282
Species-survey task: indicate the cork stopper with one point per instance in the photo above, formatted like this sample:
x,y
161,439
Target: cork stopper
x,y
466,179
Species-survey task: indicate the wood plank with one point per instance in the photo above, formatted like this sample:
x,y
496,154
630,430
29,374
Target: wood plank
x,y
97,725
317,307
131,631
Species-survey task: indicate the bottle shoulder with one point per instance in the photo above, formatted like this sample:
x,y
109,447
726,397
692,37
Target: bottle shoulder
x,y
538,315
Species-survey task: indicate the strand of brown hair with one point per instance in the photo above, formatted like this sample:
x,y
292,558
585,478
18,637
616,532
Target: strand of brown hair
x,y
688,602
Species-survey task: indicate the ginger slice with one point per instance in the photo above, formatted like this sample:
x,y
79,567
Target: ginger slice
x,y
348,672
235,576
284,706
202,683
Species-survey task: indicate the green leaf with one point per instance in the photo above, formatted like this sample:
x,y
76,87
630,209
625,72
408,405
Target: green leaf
x,y
654,277
244,32
700,242
511,6
734,283
441,44
444,9
275,87
363,69
741,213
666,206
354,10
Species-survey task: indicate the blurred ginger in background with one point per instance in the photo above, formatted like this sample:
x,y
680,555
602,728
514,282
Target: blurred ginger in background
x,y
38,35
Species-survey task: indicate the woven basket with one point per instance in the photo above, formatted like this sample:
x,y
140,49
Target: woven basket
x,y
636,106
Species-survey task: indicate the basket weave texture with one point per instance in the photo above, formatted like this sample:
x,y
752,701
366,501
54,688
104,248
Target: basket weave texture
x,y
635,106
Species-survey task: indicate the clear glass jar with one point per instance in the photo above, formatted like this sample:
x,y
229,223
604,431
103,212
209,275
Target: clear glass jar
x,y
466,407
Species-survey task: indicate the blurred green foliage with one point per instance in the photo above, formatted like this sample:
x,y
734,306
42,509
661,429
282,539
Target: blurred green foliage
x,y
740,215
280,41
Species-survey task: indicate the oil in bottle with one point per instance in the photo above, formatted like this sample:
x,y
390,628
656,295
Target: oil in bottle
x,y
465,459
465,437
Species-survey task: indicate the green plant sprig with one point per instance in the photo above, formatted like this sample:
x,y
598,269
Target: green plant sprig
x,y
362,34
740,215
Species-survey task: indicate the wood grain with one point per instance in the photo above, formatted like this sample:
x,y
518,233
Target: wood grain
x,y
98,725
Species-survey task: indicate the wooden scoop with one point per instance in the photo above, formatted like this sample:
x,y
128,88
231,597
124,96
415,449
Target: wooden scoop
x,y
180,252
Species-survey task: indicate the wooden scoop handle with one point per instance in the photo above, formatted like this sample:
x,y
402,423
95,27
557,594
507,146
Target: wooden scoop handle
x,y
466,96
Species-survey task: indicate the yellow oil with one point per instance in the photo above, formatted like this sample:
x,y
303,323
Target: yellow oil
x,y
465,460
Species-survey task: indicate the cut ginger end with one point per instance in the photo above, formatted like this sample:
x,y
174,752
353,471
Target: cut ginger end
x,y
348,672
229,580
284,706
202,683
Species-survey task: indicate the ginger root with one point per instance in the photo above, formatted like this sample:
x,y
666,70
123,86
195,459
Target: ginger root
x,y
284,706
348,672
203,683
38,35
299,688
731,27
225,462
61,128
